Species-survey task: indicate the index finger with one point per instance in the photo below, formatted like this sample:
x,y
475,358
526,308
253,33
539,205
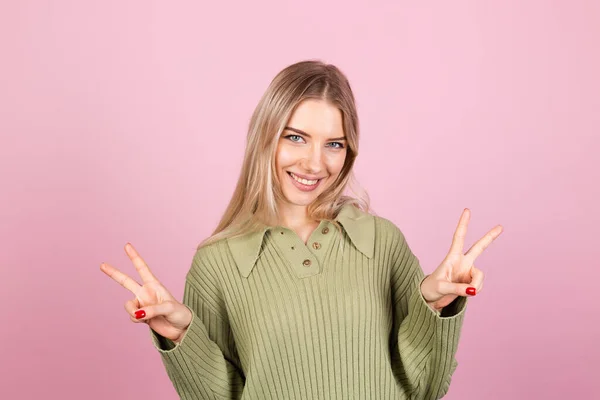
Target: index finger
x,y
478,248
123,279
140,264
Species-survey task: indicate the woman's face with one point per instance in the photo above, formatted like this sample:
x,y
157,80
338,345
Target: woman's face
x,y
312,148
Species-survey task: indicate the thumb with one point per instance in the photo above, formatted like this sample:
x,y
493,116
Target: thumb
x,y
149,312
459,289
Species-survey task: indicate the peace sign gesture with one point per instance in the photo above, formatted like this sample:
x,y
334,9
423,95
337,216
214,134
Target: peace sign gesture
x,y
456,275
165,315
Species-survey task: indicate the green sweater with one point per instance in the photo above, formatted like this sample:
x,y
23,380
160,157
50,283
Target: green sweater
x,y
341,317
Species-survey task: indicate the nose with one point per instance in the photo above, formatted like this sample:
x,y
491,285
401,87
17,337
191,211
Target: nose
x,y
312,162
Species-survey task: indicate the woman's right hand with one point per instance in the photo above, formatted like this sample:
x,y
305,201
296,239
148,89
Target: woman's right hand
x,y
157,307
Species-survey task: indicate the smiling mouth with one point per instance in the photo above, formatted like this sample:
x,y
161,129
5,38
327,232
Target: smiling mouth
x,y
306,182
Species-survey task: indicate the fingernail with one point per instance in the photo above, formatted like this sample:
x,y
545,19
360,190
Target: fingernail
x,y
471,291
140,314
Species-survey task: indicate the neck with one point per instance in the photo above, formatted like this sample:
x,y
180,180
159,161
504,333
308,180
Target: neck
x,y
294,217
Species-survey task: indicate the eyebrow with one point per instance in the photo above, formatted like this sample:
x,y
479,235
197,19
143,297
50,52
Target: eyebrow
x,y
306,134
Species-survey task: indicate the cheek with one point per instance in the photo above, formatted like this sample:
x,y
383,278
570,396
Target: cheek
x,y
285,157
335,162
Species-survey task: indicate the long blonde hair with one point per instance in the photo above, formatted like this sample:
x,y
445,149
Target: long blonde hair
x,y
253,205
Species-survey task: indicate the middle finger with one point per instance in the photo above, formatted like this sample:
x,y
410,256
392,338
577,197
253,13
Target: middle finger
x,y
458,241
140,264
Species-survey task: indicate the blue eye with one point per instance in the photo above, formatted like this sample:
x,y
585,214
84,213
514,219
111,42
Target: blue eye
x,y
335,145
290,136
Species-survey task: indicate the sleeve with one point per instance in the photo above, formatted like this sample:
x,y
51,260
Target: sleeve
x,y
426,342
205,363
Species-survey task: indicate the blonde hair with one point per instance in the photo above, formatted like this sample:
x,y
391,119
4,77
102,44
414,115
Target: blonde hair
x,y
253,205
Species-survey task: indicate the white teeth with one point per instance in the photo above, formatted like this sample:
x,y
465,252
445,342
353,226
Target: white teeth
x,y
304,181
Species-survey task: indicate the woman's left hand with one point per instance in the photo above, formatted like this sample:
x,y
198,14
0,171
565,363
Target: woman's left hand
x,y
456,275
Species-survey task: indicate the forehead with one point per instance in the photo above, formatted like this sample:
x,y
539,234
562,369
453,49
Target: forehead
x,y
317,117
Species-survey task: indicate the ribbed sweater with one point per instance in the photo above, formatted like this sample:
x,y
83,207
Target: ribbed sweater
x,y
340,317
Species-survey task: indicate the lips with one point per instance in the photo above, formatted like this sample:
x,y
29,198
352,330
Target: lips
x,y
301,186
303,176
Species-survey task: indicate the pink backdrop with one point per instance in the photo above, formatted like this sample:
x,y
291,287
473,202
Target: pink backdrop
x,y
126,120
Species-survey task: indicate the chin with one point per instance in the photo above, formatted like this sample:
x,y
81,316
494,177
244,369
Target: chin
x,y
296,197
299,199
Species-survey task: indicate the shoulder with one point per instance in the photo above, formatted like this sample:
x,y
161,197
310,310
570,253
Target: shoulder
x,y
207,257
392,243
213,249
389,238
381,230
386,228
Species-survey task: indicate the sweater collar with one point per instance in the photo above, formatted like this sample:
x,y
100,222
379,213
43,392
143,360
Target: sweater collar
x,y
359,226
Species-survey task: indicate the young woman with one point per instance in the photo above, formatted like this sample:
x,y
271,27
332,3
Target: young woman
x,y
301,292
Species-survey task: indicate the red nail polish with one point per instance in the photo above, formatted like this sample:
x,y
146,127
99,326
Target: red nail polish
x,y
140,314
471,291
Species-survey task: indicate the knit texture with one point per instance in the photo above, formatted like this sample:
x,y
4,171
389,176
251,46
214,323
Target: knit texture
x,y
341,317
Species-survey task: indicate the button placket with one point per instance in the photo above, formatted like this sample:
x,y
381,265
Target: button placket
x,y
302,261
319,241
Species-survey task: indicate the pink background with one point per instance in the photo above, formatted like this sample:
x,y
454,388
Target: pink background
x,y
126,120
